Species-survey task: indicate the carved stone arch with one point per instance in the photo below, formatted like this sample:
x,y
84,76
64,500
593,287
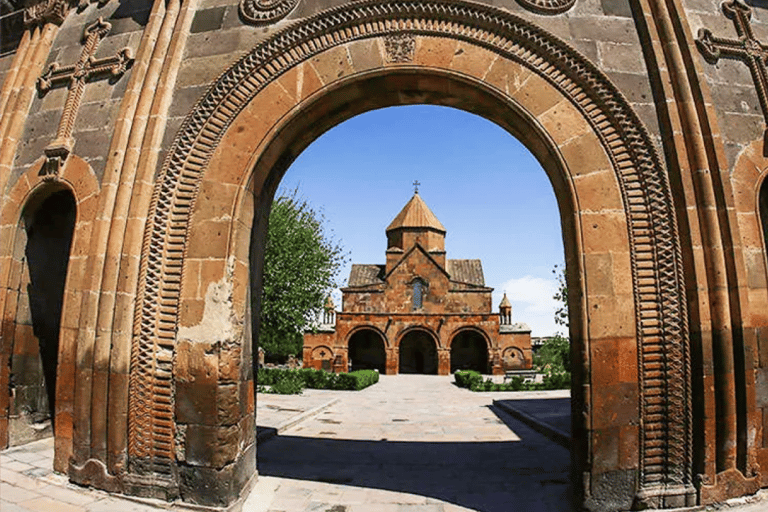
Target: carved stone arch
x,y
259,88
32,188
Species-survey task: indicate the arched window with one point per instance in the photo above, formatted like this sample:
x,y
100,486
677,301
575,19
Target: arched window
x,y
419,289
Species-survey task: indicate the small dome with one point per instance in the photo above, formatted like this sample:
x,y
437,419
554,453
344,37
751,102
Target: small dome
x,y
505,302
416,214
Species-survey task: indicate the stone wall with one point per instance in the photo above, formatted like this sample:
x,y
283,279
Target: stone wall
x,y
664,245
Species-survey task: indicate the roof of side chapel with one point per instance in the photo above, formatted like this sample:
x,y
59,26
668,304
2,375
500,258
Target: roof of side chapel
x,y
364,274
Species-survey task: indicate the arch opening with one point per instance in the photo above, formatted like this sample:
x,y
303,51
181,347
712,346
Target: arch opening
x,y
366,351
42,245
469,351
418,353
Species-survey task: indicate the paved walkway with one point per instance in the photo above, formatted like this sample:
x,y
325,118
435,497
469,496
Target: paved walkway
x,y
407,444
412,443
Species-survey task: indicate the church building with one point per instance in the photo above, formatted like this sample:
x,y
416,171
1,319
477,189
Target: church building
x,y
419,312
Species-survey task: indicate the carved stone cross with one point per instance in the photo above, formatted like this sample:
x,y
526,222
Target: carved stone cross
x,y
75,76
747,48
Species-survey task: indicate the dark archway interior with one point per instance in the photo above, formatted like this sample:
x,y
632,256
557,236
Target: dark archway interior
x,y
469,352
366,351
418,353
49,229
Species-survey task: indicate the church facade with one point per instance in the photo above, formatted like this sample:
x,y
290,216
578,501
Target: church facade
x,y
419,312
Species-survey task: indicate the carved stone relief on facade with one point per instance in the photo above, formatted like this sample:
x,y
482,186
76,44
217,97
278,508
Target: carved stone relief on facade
x,y
746,49
547,6
400,48
264,12
75,76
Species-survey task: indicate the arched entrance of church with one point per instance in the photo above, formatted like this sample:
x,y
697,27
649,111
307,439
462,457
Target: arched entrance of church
x,y
615,206
366,351
418,353
469,351
41,248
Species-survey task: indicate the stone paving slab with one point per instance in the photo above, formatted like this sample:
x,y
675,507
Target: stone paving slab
x,y
412,443
407,444
276,413
274,410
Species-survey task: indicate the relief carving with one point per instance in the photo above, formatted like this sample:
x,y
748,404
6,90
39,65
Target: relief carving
x,y
746,48
400,49
547,6
75,76
264,12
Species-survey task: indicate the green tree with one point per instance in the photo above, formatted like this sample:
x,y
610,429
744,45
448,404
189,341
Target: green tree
x,y
554,356
301,264
561,296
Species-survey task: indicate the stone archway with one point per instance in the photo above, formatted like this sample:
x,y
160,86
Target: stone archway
x,y
612,189
42,245
367,351
75,190
469,351
418,353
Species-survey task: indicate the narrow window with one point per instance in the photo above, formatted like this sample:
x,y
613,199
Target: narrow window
x,y
418,293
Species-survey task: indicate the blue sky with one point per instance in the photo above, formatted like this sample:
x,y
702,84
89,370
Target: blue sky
x,y
487,189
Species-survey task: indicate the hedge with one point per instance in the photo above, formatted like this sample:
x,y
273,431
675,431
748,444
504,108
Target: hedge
x,y
473,381
283,379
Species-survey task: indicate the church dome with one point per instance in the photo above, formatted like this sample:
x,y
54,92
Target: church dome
x,y
416,214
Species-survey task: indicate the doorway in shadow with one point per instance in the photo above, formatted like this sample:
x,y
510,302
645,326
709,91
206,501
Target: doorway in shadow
x,y
418,353
45,239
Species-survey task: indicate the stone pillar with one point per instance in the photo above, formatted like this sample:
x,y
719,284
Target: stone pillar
x,y
496,366
393,360
443,361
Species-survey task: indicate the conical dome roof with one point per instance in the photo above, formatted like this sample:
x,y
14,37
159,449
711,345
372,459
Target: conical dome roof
x,y
505,302
416,214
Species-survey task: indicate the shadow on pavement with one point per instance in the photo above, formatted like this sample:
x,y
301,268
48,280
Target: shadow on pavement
x,y
552,411
528,475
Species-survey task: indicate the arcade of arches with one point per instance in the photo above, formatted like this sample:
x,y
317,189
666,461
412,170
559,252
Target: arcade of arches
x,y
419,312
160,130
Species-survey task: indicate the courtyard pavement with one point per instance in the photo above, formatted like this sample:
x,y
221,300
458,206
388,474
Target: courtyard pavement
x,y
410,443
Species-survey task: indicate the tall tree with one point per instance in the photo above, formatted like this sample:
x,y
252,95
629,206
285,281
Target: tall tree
x,y
561,296
301,264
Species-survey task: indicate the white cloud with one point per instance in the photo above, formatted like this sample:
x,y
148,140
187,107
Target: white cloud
x,y
532,302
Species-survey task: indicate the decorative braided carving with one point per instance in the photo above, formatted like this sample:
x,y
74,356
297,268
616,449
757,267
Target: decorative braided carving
x,y
662,329
264,12
547,6
48,11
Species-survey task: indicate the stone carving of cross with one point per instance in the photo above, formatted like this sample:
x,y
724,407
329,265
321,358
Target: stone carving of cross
x,y
746,48
75,76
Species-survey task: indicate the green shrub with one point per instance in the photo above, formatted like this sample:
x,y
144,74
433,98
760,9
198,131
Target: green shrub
x,y
269,376
468,378
557,381
365,378
316,379
289,383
